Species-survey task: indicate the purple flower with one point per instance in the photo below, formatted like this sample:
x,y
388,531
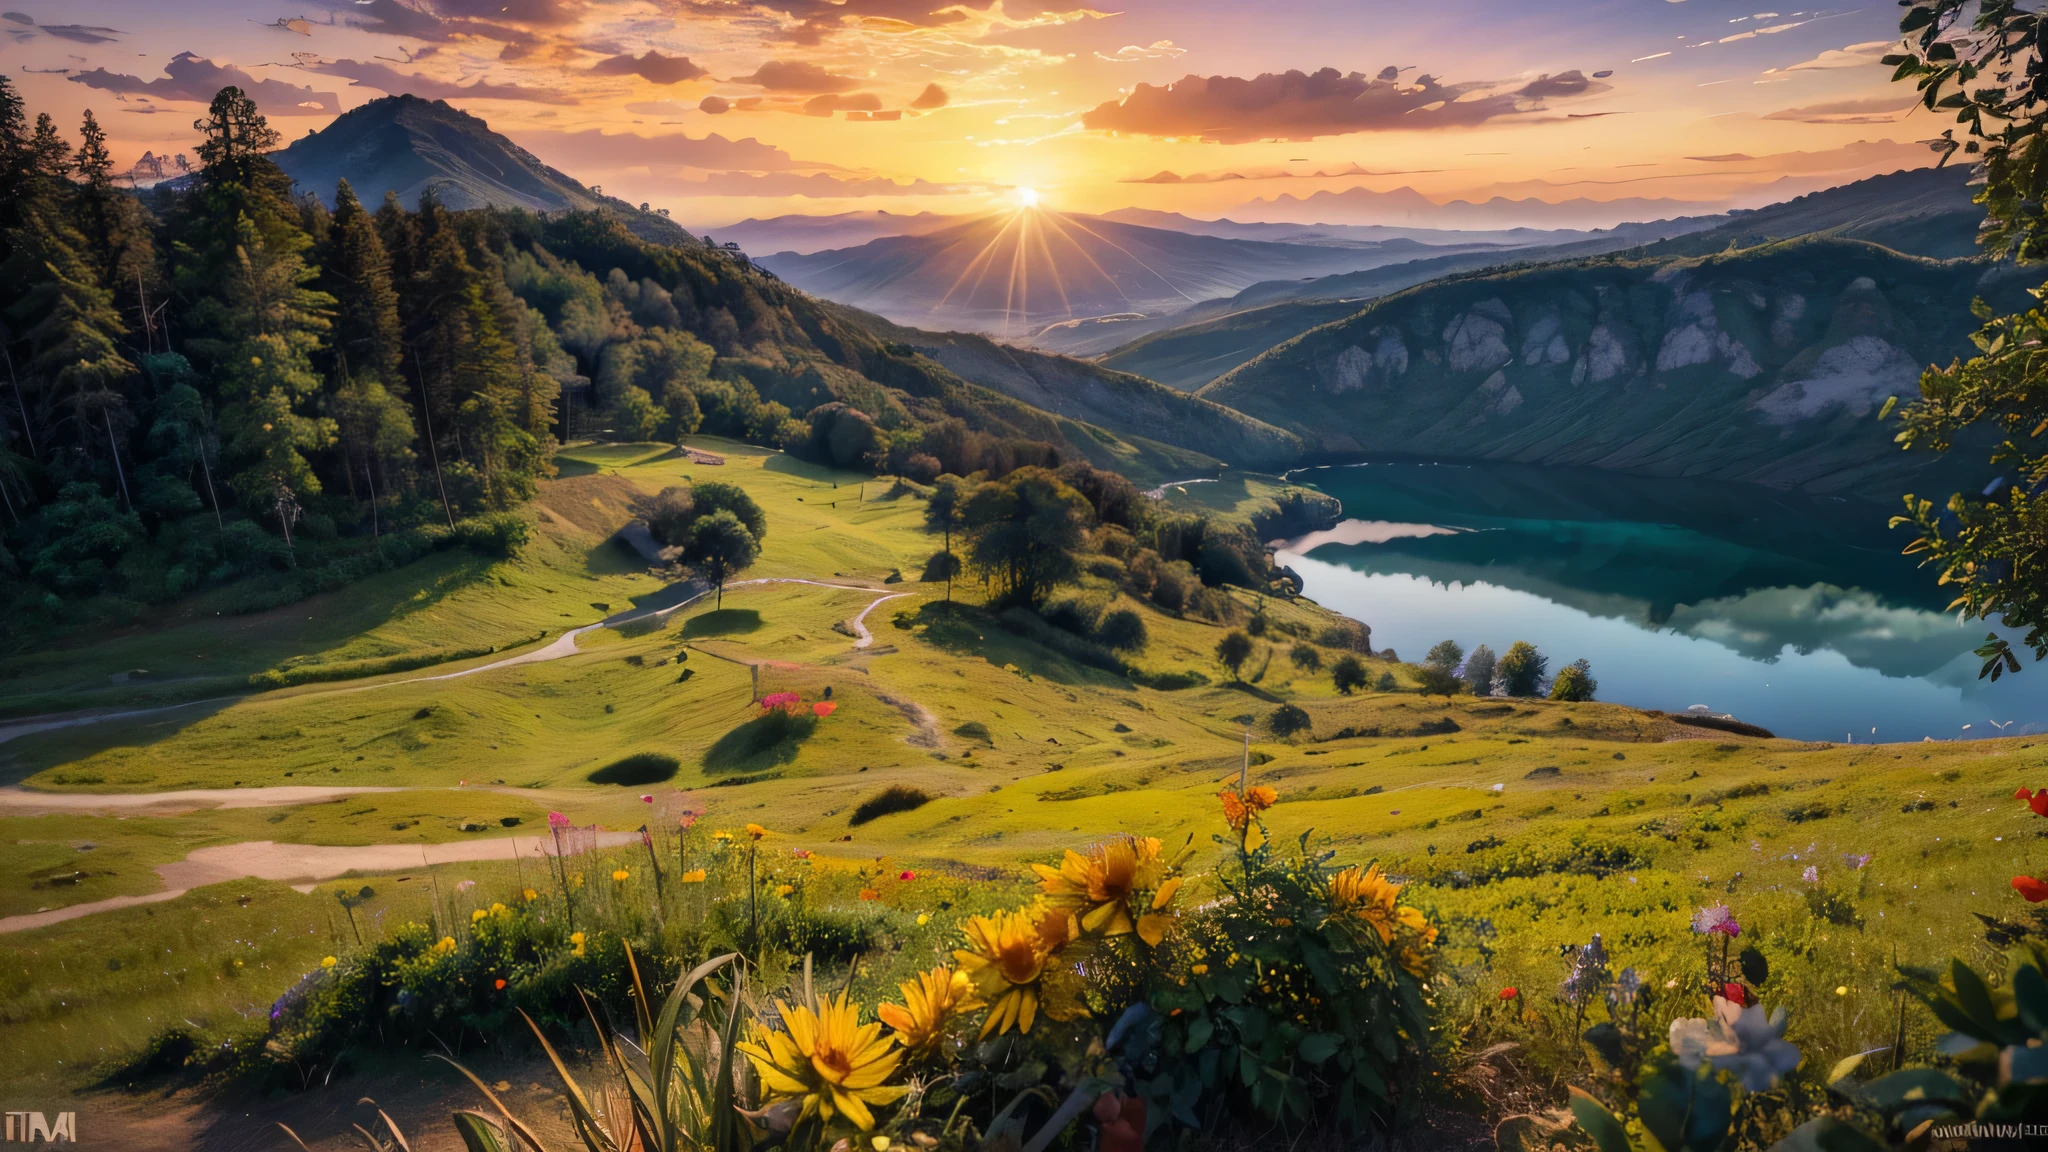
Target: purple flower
x,y
1855,861
1811,875
1716,918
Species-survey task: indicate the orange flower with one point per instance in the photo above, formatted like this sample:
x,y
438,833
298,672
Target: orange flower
x,y
929,1002
1239,808
1102,888
1366,895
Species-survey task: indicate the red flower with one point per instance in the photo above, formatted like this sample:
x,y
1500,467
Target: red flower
x,y
499,984
2034,890
1509,993
907,876
1735,994
2039,802
2023,794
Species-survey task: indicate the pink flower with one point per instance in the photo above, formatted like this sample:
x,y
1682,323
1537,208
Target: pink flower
x,y
907,875
781,700
465,886
647,799
801,853
557,820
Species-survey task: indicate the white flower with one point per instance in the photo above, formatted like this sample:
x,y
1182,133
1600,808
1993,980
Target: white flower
x,y
1811,875
1743,1042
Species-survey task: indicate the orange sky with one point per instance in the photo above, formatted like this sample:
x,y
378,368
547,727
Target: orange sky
x,y
912,105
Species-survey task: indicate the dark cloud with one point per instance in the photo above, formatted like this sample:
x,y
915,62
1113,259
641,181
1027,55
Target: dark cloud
x,y
797,76
490,21
195,78
592,149
827,104
82,33
1878,110
395,19
1301,106
932,97
815,187
651,66
18,17
714,105
385,78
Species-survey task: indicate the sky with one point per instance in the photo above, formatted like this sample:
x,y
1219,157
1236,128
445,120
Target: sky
x,y
720,110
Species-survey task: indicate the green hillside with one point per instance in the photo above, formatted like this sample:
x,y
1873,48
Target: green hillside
x,y
1766,365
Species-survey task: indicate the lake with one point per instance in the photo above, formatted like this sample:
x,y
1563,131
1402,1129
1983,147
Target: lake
x,y
1793,612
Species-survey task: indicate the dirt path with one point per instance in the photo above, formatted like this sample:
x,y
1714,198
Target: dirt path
x,y
561,646
17,801
304,864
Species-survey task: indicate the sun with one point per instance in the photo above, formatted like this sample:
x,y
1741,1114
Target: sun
x,y
1027,197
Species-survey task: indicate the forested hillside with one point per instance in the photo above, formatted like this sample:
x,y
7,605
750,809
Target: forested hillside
x,y
225,383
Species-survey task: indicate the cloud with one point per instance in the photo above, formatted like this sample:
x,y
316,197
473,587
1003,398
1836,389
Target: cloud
x,y
714,105
652,66
571,151
197,79
828,103
797,76
395,19
384,78
82,33
1299,106
932,97
1876,110
1854,56
815,187
808,22
537,13
1130,53
1170,177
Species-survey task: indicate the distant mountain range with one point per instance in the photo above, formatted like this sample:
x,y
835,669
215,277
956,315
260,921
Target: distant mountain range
x,y
406,145
1014,273
1405,207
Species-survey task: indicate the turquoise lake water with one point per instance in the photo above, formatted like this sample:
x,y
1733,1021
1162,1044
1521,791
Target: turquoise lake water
x,y
1792,612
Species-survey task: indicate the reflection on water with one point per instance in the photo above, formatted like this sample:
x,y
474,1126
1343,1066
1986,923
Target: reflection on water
x,y
1791,612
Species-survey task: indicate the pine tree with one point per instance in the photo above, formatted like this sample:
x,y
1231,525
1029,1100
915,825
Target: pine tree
x,y
75,366
116,229
367,336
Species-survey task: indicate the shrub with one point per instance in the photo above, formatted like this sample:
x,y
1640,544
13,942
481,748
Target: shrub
x,y
1440,680
1447,655
1348,674
639,768
499,534
772,736
1387,683
1288,719
1479,670
1521,670
889,801
1306,657
1232,651
1347,634
1122,630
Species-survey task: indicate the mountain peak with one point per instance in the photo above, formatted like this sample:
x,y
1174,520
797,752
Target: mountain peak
x,y
406,144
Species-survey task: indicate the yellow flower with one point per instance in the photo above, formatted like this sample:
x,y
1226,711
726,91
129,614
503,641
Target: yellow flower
x,y
784,889
923,918
928,1003
576,944
1005,957
881,1144
1366,895
825,1057
1100,887
477,915
619,875
721,834
445,948
1200,969
328,961
499,909
694,876
756,831
530,894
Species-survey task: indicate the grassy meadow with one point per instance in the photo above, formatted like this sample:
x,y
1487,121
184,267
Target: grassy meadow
x,y
1526,825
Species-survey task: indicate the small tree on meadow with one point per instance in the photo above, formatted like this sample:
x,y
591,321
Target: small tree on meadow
x,y
721,546
1348,674
942,515
1387,683
1447,655
1521,670
1575,682
1306,657
1479,669
1438,680
1233,650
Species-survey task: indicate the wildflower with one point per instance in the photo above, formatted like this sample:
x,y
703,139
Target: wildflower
x,y
1739,1040
1005,958
907,875
1716,918
619,875
721,834
688,819
929,1002
477,915
756,831
446,947
2036,801
881,1144
801,853
1811,875
1735,993
870,894
465,885
1627,987
1589,972
575,943
693,876
1510,992
328,961
1100,888
2034,890
646,799
1855,861
1200,969
1366,895
557,820
1239,808
823,708
923,918
784,889
499,983
826,1058
1841,989
530,895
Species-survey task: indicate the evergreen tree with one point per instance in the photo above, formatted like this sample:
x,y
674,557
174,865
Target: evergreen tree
x,y
117,229
367,337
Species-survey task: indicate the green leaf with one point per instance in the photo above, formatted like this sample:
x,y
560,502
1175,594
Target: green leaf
x,y
2030,993
1600,1124
1199,1033
1908,1085
479,1134
1973,996
1317,1047
1845,1068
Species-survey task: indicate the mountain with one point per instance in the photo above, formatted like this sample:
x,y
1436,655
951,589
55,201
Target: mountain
x,y
1016,272
1922,211
407,145
807,234
1406,206
1766,365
